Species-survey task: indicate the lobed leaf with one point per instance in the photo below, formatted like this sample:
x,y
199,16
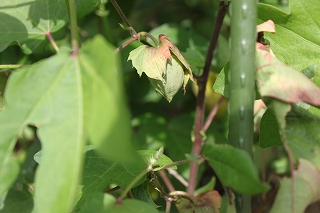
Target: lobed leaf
x,y
27,23
71,101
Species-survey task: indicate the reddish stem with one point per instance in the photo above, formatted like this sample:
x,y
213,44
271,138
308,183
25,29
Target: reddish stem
x,y
52,41
212,114
202,81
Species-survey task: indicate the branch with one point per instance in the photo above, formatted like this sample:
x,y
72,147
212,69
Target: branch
x,y
52,41
202,81
124,18
74,28
212,114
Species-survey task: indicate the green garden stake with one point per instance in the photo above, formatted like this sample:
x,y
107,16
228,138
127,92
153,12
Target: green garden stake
x,y
242,82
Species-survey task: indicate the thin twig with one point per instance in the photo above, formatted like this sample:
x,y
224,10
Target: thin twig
x,y
52,41
124,18
176,163
168,205
126,43
212,114
166,180
11,66
291,161
183,194
175,174
202,81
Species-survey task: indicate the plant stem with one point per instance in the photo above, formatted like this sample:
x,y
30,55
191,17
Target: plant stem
x,y
74,28
176,163
103,14
212,114
182,194
126,43
202,81
11,66
242,82
175,174
123,17
52,41
166,180
149,36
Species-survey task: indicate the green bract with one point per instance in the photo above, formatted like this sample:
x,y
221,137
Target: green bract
x,y
164,65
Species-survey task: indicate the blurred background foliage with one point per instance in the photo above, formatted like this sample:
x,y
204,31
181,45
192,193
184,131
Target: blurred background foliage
x,y
155,122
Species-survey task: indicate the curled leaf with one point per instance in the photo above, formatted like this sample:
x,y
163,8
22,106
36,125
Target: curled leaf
x,y
164,65
174,79
267,26
277,80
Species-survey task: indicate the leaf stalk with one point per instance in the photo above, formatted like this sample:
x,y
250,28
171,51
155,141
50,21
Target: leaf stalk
x,y
74,28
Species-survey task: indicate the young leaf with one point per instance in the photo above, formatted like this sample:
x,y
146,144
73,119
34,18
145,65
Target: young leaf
x,y
162,161
28,22
306,189
234,168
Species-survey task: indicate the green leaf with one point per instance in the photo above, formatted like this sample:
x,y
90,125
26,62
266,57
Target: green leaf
x,y
269,130
150,131
18,200
101,203
173,78
106,116
303,135
28,22
151,61
164,65
221,85
142,193
9,167
162,161
42,106
209,186
296,193
99,172
3,81
66,104
234,168
296,41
